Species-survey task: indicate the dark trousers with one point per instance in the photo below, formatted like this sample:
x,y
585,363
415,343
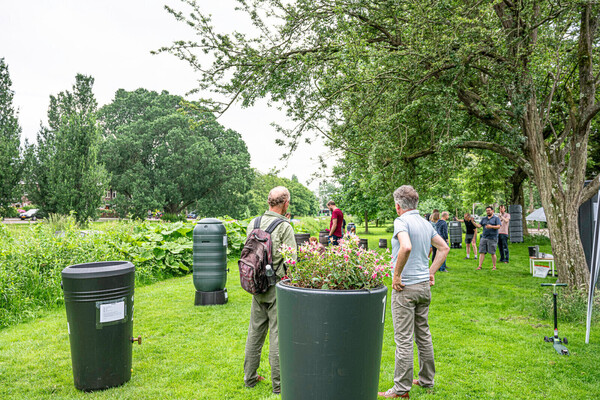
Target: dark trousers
x,y
503,247
443,266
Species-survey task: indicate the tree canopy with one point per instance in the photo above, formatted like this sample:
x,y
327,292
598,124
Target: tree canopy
x,y
393,82
303,201
10,143
164,152
64,175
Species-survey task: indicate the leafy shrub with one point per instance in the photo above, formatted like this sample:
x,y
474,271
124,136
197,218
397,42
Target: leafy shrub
x,y
169,217
311,225
236,235
342,267
153,247
9,212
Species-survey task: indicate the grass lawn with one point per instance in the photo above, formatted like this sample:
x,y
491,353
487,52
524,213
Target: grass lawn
x,y
486,326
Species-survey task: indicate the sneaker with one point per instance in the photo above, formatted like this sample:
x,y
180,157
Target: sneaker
x,y
476,257
467,258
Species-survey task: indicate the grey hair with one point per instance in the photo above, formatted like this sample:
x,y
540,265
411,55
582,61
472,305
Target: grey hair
x,y
445,214
406,197
278,195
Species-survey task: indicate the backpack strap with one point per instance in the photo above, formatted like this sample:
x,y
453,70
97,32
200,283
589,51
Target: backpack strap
x,y
257,222
270,230
274,225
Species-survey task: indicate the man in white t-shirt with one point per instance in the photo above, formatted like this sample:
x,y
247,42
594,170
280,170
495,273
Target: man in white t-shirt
x,y
411,293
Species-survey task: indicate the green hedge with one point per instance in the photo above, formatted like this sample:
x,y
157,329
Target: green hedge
x,y
32,257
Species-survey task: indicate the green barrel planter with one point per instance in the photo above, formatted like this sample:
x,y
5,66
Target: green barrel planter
x,y
330,342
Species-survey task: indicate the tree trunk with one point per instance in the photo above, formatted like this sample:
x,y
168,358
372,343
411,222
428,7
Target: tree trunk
x,y
366,222
561,205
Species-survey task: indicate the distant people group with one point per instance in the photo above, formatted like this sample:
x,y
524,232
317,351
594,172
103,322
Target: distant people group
x,y
494,236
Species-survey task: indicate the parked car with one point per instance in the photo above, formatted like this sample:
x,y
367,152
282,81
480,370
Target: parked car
x,y
192,215
29,214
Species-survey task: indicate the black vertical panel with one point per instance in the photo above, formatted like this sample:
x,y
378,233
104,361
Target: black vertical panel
x,y
586,226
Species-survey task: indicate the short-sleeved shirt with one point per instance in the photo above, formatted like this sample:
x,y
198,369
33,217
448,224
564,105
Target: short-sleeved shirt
x,y
489,233
339,215
504,227
420,232
470,227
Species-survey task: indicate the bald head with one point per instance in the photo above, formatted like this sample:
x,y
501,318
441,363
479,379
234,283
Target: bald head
x,y
278,199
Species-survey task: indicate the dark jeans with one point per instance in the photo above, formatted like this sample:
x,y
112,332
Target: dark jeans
x,y
503,247
443,266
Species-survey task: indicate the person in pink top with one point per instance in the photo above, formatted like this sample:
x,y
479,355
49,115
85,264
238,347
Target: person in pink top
x,y
335,225
503,234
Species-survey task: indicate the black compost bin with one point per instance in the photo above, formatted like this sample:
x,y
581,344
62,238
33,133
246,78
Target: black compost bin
x,y
99,303
210,262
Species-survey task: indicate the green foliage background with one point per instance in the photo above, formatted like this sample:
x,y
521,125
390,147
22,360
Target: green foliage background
x,y
11,165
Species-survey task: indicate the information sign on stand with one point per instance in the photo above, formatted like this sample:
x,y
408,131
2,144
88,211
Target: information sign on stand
x,y
540,271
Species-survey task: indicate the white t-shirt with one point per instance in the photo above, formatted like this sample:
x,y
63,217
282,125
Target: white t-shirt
x,y
420,232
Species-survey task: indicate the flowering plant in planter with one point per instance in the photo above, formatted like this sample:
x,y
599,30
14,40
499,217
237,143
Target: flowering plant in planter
x,y
343,267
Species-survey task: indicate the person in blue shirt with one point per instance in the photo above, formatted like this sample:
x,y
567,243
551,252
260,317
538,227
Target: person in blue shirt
x,y
489,239
441,227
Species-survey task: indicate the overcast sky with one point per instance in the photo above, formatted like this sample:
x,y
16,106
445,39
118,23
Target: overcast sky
x,y
47,42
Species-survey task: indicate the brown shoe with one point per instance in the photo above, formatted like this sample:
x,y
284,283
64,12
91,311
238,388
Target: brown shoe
x,y
258,379
417,383
390,394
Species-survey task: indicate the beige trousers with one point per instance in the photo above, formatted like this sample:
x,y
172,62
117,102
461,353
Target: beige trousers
x,y
263,317
410,309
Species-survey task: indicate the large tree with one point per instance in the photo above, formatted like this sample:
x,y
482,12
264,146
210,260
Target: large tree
x,y
400,80
166,153
303,201
10,142
64,173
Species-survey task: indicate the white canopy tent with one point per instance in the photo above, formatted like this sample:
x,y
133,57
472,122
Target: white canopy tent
x,y
537,215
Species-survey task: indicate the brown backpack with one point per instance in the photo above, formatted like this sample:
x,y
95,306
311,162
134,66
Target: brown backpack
x,y
256,255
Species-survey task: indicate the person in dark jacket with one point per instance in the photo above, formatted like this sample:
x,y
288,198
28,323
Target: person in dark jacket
x,y
441,226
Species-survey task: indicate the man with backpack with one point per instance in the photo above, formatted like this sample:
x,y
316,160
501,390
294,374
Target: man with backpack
x,y
263,313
